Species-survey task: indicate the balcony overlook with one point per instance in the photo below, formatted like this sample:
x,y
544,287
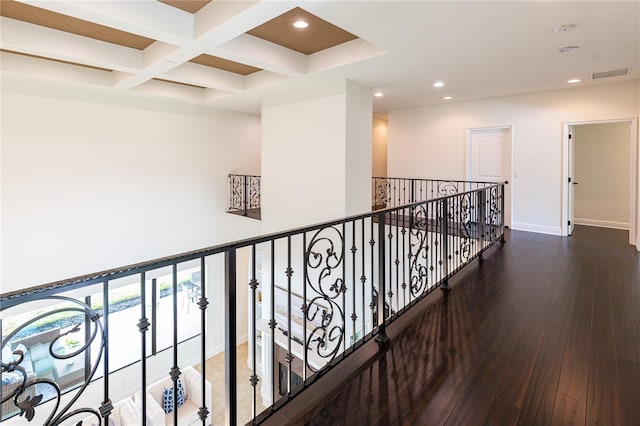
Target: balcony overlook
x,y
340,323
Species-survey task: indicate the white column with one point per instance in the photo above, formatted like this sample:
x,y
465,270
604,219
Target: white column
x,y
316,155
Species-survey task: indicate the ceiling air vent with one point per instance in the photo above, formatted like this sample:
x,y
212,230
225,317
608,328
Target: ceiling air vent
x,y
613,73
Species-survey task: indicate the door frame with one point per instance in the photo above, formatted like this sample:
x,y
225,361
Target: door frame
x,y
509,157
634,160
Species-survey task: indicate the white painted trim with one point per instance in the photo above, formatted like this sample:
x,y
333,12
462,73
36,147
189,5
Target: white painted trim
x,y
468,132
540,229
633,182
634,185
601,223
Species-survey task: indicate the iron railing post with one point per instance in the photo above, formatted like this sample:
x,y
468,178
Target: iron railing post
x,y
230,359
87,336
106,407
154,316
413,191
445,244
501,190
203,412
253,285
175,373
245,194
143,326
381,338
482,206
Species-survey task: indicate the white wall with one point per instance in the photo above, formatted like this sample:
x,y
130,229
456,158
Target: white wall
x,y
316,155
93,180
379,147
602,173
358,116
430,141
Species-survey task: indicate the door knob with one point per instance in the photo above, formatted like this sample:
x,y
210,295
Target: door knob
x,y
575,183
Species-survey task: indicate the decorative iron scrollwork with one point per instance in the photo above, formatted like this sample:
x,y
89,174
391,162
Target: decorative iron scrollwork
x,y
447,188
418,250
25,396
493,220
254,192
382,193
236,201
324,257
459,216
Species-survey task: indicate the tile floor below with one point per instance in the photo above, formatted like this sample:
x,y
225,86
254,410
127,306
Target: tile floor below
x,y
215,376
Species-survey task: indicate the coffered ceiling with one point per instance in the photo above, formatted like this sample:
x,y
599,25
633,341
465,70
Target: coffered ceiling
x,y
236,54
187,5
319,35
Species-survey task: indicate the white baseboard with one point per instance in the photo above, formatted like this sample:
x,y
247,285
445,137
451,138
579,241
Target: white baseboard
x,y
219,348
540,229
242,339
601,223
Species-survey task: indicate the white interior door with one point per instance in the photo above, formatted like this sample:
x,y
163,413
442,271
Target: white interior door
x,y
571,182
489,160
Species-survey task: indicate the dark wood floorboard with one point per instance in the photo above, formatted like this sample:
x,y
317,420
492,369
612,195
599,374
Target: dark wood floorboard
x,y
568,412
545,332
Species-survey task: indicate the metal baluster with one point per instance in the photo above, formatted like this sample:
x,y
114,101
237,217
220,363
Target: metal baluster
x,y
404,192
389,284
154,316
87,336
245,194
501,190
106,407
305,310
272,324
343,290
254,285
203,412
404,257
175,370
381,338
445,245
230,359
395,192
397,260
289,273
412,210
413,191
372,305
432,267
363,280
453,229
354,250
482,203
143,326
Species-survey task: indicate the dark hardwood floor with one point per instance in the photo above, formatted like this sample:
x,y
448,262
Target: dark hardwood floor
x,y
545,332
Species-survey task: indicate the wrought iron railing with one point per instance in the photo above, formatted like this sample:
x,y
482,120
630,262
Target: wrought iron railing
x,y
393,192
314,295
244,194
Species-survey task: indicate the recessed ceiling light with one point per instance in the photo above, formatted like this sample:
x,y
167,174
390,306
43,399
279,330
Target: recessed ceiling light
x,y
567,49
447,98
301,24
378,94
574,80
564,28
438,84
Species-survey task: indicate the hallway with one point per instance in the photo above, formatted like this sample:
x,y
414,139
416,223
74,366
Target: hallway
x,y
546,331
